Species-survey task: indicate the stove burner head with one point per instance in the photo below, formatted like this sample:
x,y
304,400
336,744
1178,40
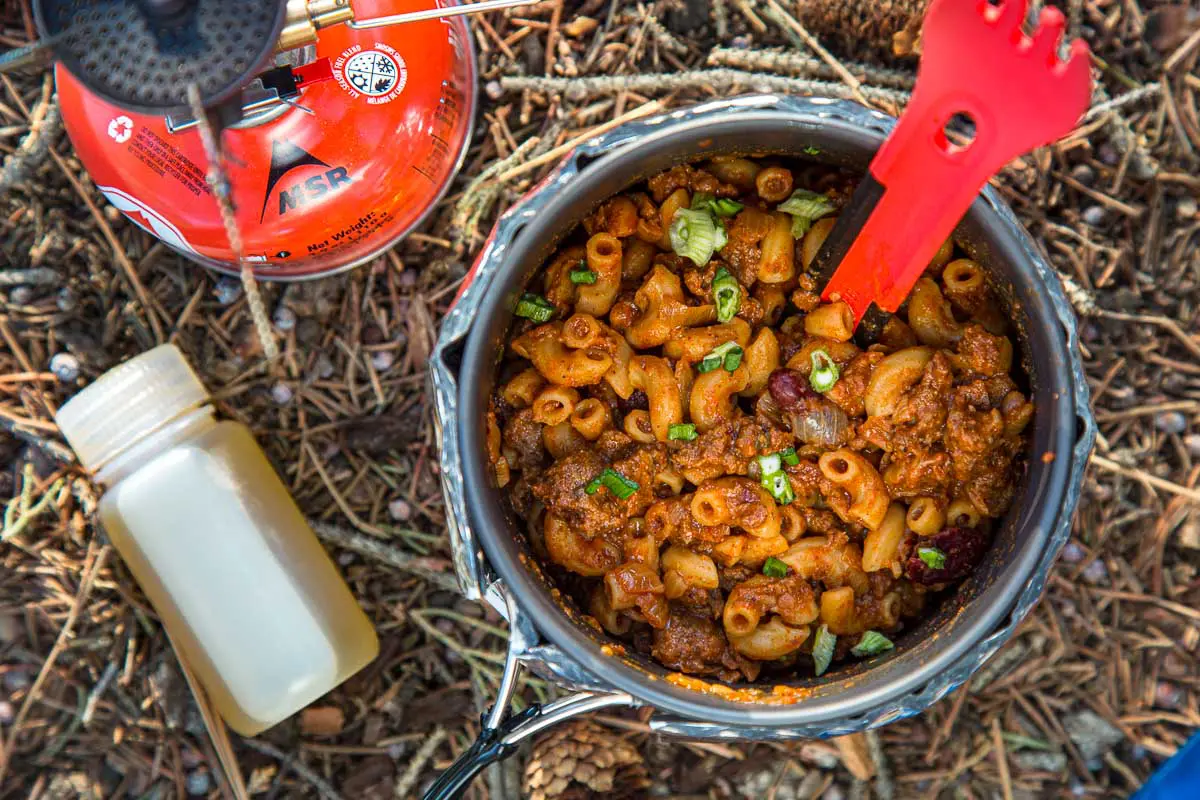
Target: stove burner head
x,y
142,54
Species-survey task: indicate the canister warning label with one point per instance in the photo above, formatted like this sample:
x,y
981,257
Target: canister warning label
x,y
165,159
379,73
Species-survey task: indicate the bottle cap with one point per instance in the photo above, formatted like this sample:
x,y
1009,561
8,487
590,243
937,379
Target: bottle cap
x,y
129,402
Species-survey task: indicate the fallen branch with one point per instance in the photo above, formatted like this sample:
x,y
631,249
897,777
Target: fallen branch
x,y
720,81
643,110
789,62
381,551
45,121
323,788
408,780
1147,478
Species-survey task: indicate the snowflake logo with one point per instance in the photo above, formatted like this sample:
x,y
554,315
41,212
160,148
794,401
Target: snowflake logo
x,y
373,73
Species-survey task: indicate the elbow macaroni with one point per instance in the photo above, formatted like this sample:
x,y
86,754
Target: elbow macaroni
x,y
868,494
777,264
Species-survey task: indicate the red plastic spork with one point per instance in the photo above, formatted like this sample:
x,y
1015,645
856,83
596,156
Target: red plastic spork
x,y
976,61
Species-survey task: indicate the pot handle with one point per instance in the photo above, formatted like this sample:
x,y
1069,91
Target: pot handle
x,y
489,748
497,744
499,738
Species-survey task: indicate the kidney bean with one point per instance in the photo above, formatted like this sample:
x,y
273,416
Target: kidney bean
x,y
964,549
637,400
790,390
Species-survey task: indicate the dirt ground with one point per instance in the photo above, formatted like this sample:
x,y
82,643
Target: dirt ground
x,y
1100,686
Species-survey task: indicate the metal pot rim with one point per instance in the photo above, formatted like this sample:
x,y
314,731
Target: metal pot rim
x,y
837,706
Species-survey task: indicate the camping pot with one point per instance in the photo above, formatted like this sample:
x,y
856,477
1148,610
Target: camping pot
x,y
494,562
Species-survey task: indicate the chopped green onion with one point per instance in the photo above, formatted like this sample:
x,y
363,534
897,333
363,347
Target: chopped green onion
x,y
582,276
696,235
770,464
535,307
825,371
872,643
615,482
684,432
774,568
822,651
728,355
780,487
727,294
805,207
722,207
789,456
812,151
933,558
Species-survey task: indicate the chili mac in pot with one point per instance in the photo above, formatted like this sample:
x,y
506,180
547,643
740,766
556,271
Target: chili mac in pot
x,y
697,484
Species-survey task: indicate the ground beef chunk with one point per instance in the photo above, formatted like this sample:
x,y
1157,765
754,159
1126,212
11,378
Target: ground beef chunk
x,y
848,392
614,444
917,473
806,298
732,576
791,597
703,602
920,417
698,281
640,466
562,488
982,455
821,522
742,252
728,448
523,436
688,177
521,496
671,520
917,465
694,645
809,484
690,644
874,432
981,353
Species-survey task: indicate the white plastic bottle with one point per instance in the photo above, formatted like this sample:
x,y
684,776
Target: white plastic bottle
x,y
218,545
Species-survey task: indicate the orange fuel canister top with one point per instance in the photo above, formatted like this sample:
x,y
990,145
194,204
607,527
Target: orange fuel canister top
x,y
315,192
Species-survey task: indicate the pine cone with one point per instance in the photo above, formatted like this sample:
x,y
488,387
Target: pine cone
x,y
865,29
581,760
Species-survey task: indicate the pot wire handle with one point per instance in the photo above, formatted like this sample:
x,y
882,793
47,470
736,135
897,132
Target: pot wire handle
x,y
499,738
497,744
489,748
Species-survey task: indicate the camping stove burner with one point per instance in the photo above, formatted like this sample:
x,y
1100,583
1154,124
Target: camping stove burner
x,y
142,56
